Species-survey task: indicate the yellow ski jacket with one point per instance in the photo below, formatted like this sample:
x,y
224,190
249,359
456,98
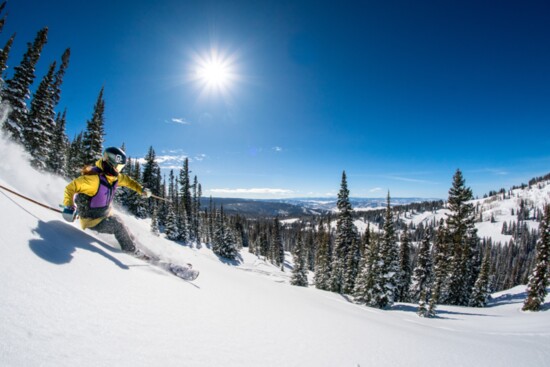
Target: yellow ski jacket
x,y
88,184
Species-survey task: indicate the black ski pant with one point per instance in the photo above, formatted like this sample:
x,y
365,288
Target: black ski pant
x,y
114,225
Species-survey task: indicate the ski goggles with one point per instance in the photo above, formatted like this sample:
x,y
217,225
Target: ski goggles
x,y
116,161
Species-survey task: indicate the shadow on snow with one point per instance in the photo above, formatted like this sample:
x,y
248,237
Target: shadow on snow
x,y
59,240
233,262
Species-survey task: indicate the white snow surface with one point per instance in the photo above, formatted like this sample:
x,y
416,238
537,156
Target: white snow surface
x,y
71,298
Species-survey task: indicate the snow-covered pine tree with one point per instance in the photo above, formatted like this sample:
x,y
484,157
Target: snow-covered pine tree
x,y
171,229
92,140
58,77
346,234
224,243
3,20
299,271
462,234
353,262
155,223
4,55
389,257
17,89
151,178
481,292
277,246
439,268
172,192
538,282
195,212
74,157
185,189
422,304
210,220
183,223
422,274
57,156
39,125
405,271
134,202
367,285
162,206
323,259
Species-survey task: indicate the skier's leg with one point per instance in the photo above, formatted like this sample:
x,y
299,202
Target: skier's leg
x,y
114,225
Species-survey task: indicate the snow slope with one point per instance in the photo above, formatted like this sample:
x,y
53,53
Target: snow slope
x,y
70,298
495,210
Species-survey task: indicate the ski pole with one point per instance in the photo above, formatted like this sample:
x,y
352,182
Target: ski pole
x,y
159,198
31,200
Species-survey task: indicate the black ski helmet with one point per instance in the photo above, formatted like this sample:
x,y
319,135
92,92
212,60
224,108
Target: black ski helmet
x,y
114,160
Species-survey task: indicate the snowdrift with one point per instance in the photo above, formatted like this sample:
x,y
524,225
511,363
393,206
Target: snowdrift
x,y
70,297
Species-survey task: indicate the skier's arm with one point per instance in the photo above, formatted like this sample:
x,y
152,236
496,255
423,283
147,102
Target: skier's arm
x,y
129,182
87,185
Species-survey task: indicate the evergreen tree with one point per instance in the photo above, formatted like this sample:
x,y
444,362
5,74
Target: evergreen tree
x,y
58,78
439,268
151,177
155,223
481,292
171,229
422,273
17,89
183,223
74,157
463,237
195,211
133,201
368,284
278,247
57,156
405,271
3,20
323,259
224,243
211,220
299,271
389,256
92,140
538,281
185,189
39,126
344,244
422,304
4,54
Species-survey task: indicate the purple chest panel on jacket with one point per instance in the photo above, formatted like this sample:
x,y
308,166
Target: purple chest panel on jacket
x,y
105,193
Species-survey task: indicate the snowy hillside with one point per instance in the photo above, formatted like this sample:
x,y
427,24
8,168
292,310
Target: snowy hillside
x,y
71,298
496,210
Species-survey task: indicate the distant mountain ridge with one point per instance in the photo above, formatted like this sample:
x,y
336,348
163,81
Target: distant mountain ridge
x,y
300,206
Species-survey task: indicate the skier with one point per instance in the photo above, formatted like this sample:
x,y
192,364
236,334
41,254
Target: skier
x,y
95,190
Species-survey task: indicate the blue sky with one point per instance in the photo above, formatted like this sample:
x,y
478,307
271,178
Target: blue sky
x,y
399,94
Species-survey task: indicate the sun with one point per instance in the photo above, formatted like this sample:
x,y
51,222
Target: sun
x,y
214,72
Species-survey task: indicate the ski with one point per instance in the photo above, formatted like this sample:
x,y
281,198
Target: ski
x,y
185,272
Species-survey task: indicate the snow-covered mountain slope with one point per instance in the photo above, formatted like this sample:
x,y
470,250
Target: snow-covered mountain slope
x,y
70,298
496,210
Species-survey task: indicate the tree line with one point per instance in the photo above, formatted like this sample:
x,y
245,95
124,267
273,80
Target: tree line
x,y
438,262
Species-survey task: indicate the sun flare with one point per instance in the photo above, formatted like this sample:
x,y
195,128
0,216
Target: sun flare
x,y
214,72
